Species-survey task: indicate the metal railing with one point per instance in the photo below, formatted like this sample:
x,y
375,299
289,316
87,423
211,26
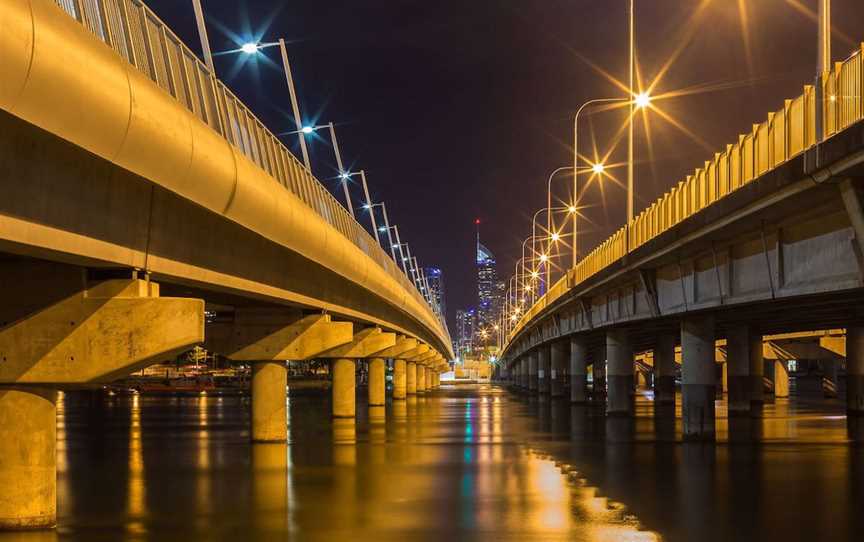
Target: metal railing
x,y
139,36
786,133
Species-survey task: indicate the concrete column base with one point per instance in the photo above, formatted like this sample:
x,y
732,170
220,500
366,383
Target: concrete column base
x,y
411,378
28,459
376,382
579,389
343,387
619,401
269,402
740,392
664,390
855,394
421,379
697,411
399,388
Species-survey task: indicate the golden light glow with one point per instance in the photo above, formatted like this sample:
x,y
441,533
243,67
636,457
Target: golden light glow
x,y
555,237
543,257
571,209
642,100
598,169
534,274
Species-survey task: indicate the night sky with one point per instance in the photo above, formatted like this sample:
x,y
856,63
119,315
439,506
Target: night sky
x,y
459,109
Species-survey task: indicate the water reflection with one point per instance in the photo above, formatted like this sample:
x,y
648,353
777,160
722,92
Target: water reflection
x,y
462,463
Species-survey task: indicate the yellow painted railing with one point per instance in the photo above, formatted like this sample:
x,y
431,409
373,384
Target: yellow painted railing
x,y
140,37
785,134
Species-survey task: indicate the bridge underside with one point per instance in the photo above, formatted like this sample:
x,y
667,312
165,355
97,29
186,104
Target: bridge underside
x,y
779,253
61,203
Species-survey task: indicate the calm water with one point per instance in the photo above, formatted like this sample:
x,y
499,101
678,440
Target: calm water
x,y
473,463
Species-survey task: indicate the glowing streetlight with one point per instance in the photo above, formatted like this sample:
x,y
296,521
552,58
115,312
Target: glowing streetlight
x,y
571,209
556,237
544,258
249,48
642,100
598,168
307,129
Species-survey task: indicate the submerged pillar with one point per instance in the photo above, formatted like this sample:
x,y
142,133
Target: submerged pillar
x,y
343,387
744,362
619,368
855,370
532,372
269,401
399,388
578,370
411,378
664,369
376,382
421,378
28,459
698,380
556,374
544,368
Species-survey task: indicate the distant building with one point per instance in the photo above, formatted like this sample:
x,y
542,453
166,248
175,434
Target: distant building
x,y
487,286
466,321
435,279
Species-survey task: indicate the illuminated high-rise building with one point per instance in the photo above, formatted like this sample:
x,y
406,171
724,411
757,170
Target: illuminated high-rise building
x,y
488,292
435,279
465,327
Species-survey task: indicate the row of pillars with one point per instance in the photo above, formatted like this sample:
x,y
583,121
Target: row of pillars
x,y
270,381
539,371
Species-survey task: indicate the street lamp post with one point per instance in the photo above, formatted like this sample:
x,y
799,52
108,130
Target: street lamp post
x,y
632,70
294,105
576,163
202,33
369,205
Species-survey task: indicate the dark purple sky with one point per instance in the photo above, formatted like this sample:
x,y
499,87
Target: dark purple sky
x,y
460,109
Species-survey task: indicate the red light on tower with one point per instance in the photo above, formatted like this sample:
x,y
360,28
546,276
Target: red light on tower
x,y
477,221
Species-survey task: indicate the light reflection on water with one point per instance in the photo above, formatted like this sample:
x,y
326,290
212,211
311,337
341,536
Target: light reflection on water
x,y
467,463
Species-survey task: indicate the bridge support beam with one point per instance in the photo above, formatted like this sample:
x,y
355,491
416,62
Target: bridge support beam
x,y
855,370
776,373
698,379
376,382
343,367
744,366
664,370
532,371
544,368
399,387
28,461
556,374
620,366
578,370
269,402
411,378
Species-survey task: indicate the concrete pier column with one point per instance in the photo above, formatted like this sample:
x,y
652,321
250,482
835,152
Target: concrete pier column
x,y
343,387
399,388
28,459
421,378
698,377
411,378
532,372
556,374
855,370
664,369
598,372
523,373
269,401
744,361
578,370
781,379
377,386
619,369
544,368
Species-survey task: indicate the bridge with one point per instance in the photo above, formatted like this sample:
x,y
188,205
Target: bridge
x,y
766,237
143,210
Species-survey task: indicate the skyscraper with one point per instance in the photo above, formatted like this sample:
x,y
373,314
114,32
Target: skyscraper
x,y
436,289
465,324
487,284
